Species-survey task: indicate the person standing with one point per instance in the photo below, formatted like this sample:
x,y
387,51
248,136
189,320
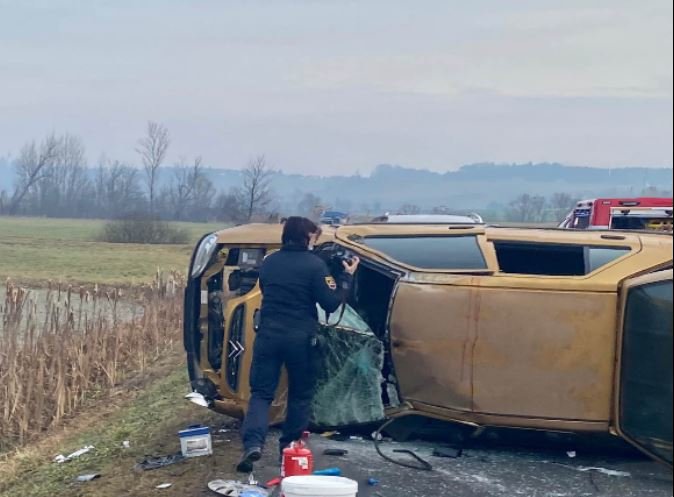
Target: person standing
x,y
293,280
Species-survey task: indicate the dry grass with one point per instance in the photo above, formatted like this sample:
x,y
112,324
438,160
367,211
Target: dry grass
x,y
74,347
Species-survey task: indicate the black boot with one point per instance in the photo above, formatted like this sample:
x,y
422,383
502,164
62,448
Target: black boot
x,y
248,460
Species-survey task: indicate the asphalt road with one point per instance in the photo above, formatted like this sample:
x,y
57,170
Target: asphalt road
x,y
494,472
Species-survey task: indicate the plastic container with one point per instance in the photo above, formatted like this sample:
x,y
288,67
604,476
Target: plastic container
x,y
298,459
196,441
319,486
328,472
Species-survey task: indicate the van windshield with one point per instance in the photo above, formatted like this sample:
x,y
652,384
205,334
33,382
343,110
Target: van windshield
x,y
349,383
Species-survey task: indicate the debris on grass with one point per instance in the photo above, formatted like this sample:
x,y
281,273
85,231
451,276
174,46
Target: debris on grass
x,y
198,399
60,459
89,477
152,463
196,441
231,488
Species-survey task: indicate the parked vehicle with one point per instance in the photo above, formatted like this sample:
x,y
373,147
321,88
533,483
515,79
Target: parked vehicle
x,y
653,214
559,330
335,218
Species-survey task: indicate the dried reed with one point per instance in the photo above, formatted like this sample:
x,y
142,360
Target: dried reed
x,y
58,352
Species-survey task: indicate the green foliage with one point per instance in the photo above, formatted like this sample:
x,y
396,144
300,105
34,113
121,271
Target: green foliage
x,y
144,230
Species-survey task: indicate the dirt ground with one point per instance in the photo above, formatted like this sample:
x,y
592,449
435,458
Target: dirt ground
x,y
150,417
481,472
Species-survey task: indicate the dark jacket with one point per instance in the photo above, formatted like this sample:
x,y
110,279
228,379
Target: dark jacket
x,y
293,280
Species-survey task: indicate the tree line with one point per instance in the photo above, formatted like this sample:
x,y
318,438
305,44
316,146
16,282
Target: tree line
x,y
53,178
526,208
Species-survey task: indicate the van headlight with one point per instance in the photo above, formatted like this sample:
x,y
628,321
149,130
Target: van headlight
x,y
203,255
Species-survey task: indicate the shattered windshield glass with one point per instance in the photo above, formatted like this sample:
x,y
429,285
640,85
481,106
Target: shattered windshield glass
x,y
350,362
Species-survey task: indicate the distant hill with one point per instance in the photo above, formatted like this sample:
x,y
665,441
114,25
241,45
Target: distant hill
x,y
475,186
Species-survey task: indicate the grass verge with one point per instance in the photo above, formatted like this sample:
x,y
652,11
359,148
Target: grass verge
x,y
35,250
148,418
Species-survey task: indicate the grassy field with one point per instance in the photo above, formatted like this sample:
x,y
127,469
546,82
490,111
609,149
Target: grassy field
x,y
34,250
145,408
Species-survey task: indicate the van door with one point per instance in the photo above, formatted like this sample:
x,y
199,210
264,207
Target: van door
x,y
433,332
644,377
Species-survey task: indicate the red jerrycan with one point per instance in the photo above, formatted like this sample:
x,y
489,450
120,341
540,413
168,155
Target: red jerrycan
x,y
298,460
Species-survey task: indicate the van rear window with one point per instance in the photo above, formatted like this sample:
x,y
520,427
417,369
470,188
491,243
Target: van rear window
x,y
548,259
432,252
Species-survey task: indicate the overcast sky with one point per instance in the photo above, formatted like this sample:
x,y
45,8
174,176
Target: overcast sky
x,y
335,86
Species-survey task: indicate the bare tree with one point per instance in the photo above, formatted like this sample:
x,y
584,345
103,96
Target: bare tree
x,y
190,189
440,209
561,204
4,201
256,189
181,191
118,190
653,191
409,209
231,206
152,150
310,206
65,189
32,166
527,209
73,165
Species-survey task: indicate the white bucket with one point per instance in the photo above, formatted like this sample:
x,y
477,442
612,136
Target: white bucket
x,y
319,486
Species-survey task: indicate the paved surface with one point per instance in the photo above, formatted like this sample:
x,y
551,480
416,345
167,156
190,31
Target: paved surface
x,y
494,472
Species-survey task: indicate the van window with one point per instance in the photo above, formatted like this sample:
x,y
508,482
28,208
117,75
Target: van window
x,y
550,259
432,252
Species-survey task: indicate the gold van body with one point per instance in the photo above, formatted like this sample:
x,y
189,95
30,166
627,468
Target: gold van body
x,y
482,335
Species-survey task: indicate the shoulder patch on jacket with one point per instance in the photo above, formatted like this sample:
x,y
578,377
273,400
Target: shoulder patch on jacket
x,y
330,281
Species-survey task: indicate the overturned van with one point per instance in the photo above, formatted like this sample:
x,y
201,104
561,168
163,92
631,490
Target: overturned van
x,y
485,326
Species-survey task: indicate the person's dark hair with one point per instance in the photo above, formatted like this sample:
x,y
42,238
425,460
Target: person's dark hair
x,y
298,230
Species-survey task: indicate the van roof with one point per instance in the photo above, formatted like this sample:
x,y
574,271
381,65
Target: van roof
x,y
270,234
429,219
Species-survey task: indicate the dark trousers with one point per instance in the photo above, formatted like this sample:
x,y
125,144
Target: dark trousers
x,y
272,351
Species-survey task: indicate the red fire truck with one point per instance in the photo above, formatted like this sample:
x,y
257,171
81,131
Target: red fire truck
x,y
645,213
